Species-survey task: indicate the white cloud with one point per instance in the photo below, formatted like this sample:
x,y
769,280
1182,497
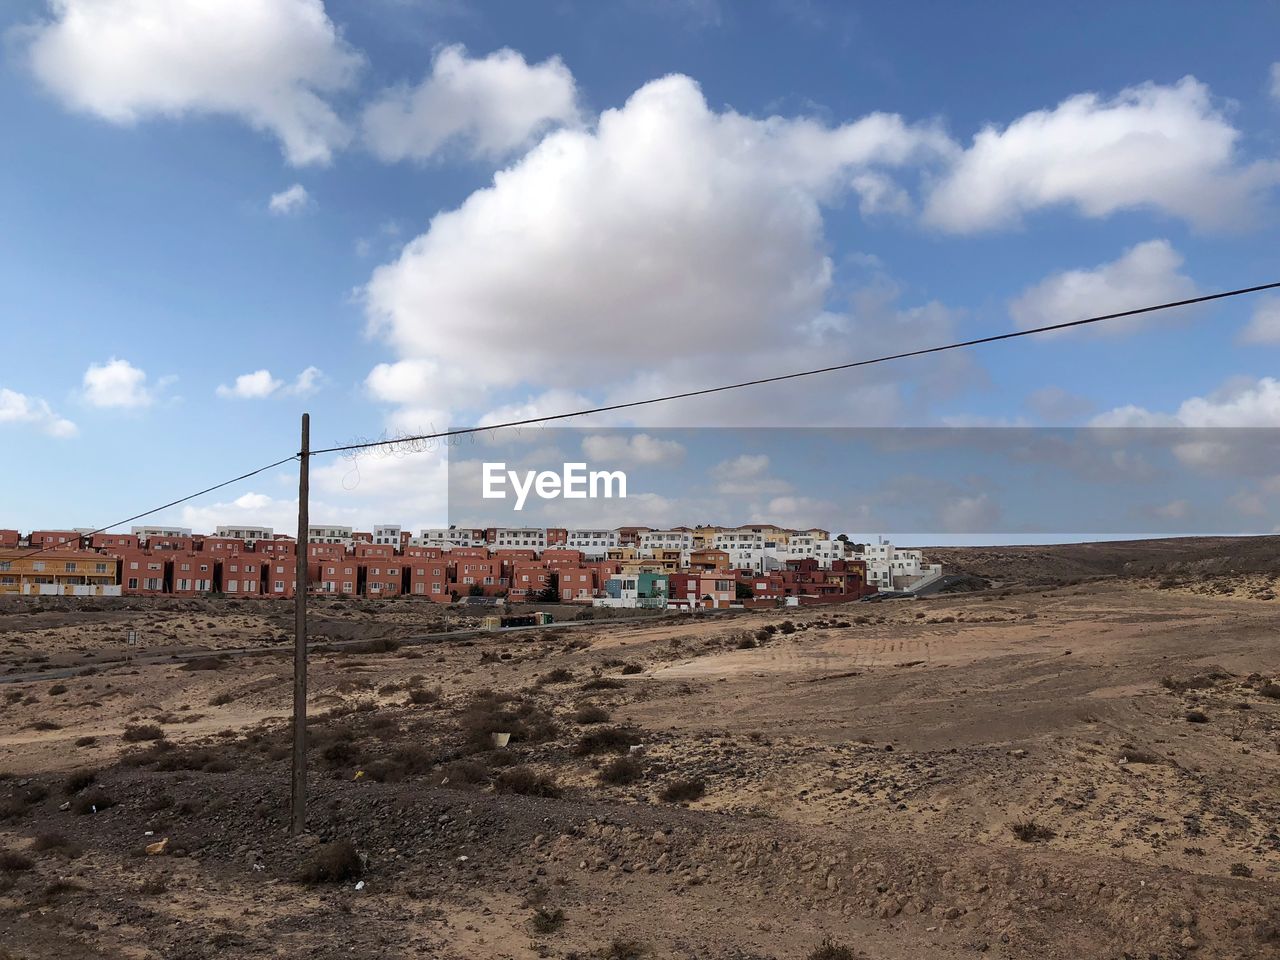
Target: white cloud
x,y
291,200
1264,325
306,383
669,223
1167,148
250,386
270,63
379,485
1240,402
18,408
489,106
546,404
639,448
797,512
746,475
261,384
1146,274
117,384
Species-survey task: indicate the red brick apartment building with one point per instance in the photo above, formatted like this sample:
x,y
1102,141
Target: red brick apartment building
x,y
9,539
191,573
49,539
113,542
428,575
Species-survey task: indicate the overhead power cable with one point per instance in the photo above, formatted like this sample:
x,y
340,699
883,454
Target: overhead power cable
x,y
463,431
164,506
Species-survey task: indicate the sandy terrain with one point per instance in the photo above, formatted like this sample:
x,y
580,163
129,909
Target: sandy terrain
x,y
861,770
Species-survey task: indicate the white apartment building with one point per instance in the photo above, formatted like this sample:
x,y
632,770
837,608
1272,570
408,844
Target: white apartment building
x,y
594,544
146,533
678,538
895,568
520,538
326,534
247,534
387,534
446,538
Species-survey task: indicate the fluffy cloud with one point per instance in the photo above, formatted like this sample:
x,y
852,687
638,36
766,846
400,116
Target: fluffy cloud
x,y
18,408
639,448
291,200
117,384
1146,274
1264,325
489,106
306,383
261,384
746,475
271,63
250,386
1241,402
668,224
1167,148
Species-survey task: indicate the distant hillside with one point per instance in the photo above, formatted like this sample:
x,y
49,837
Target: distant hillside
x,y
1176,557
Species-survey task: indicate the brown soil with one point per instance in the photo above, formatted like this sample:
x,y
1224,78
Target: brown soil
x,y
862,778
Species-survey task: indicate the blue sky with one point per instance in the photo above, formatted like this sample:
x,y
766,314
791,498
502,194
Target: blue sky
x,y
628,198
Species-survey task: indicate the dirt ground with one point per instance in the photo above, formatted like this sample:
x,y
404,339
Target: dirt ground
x,y
1090,770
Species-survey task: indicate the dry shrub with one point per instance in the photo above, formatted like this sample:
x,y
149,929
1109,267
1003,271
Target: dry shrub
x,y
1197,716
1270,689
1028,831
1241,870
92,801
1138,755
546,921
526,782
204,663
624,949
78,780
13,862
631,669
490,713
86,741
830,949
622,771
421,695
137,732
608,740
378,645
56,843
334,862
558,675
57,690
604,683
222,699
200,758
683,791
461,773
590,713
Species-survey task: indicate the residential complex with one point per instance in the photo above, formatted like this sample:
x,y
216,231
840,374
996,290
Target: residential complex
x,y
680,567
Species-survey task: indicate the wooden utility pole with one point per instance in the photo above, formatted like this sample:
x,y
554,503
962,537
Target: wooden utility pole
x,y
298,797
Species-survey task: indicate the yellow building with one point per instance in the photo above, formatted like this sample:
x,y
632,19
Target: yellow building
x,y
62,573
